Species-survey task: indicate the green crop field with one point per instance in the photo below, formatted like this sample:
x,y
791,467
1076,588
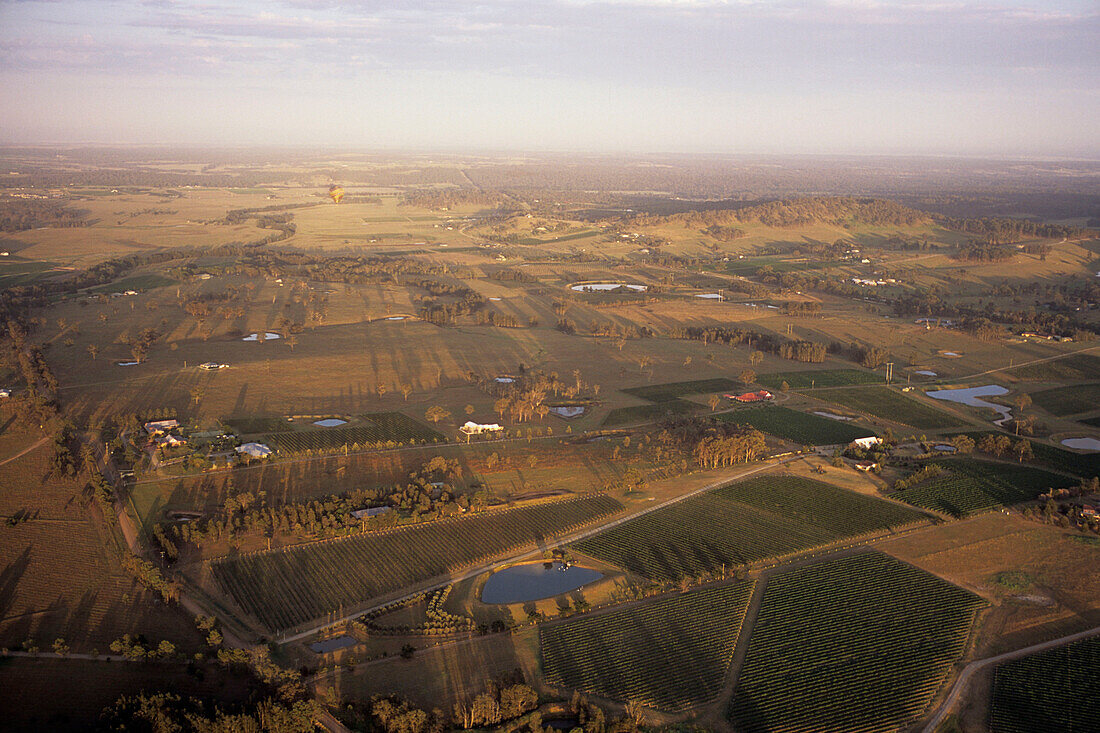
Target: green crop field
x,y
284,588
822,378
1085,465
638,413
1068,400
978,486
750,521
886,403
1051,692
255,425
1091,421
856,644
1078,366
673,390
141,283
377,428
801,427
668,654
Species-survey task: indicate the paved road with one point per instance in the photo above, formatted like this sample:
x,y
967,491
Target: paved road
x,y
971,669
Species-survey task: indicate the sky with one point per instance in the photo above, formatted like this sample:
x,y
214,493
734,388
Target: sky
x,y
1005,78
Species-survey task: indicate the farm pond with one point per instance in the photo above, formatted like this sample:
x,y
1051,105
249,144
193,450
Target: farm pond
x,y
535,581
973,396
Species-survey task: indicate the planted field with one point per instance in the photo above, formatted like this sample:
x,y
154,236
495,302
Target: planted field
x,y
673,390
253,425
1091,421
1051,692
856,644
1068,400
669,654
1078,366
801,427
288,587
637,413
890,405
978,486
759,519
820,378
374,429
1085,465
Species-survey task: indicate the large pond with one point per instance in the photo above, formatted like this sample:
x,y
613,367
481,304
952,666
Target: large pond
x,y
330,422
1082,443
535,581
973,396
584,287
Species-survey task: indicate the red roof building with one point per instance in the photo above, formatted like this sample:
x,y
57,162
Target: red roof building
x,y
760,396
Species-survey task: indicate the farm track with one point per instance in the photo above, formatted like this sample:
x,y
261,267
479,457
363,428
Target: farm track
x,y
959,688
25,451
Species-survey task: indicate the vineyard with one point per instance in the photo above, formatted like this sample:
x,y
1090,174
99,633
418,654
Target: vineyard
x,y
378,428
668,654
673,390
800,427
856,644
1068,400
638,413
823,378
890,405
1078,366
284,588
978,486
759,519
1085,465
1051,692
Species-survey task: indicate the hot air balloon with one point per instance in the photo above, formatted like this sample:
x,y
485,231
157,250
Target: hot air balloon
x,y
335,193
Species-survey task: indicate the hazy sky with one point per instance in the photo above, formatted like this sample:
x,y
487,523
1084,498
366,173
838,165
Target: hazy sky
x,y
1001,77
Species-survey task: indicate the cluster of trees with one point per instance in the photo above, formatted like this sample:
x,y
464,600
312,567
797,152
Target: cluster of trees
x,y
40,401
984,252
450,198
797,212
503,320
512,275
525,396
711,442
17,215
63,461
1002,230
166,711
926,473
1000,445
150,576
724,233
437,619
807,351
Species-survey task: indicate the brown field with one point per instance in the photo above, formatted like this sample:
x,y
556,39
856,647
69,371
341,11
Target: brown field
x,y
1061,593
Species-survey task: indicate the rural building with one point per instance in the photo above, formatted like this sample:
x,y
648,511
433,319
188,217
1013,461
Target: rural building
x,y
748,397
212,365
473,428
373,511
254,450
867,443
866,465
161,426
5,393
167,440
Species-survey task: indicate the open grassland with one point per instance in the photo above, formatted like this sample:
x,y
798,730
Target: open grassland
x,y
1078,366
669,654
60,574
285,588
1051,692
888,404
856,644
1068,400
799,427
809,379
673,390
978,486
376,428
751,521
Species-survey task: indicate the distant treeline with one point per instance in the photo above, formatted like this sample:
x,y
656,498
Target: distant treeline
x,y
1003,230
17,215
451,198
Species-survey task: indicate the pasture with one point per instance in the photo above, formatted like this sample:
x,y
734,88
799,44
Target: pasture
x,y
1068,400
892,405
799,427
809,379
975,486
285,588
763,518
670,653
372,429
860,643
673,390
1050,692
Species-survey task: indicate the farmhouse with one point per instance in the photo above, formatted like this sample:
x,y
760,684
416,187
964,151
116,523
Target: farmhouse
x,y
161,426
373,511
254,450
5,393
167,440
867,443
473,428
866,465
212,366
748,397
